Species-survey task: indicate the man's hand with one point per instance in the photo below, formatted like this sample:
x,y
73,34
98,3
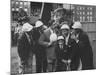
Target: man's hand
x,y
75,38
50,43
66,61
69,60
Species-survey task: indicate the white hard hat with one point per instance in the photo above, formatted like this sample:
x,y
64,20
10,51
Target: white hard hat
x,y
65,26
60,10
60,38
57,9
27,27
53,37
38,24
77,25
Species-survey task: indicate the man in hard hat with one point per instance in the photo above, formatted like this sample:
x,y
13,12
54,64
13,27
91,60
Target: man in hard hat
x,y
40,52
47,39
59,51
71,47
25,46
82,39
63,53
62,15
65,29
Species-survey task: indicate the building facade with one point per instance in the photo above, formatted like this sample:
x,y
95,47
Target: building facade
x,y
84,13
16,4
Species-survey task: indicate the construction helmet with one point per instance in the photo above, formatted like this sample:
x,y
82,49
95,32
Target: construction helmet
x,y
77,25
65,26
27,27
38,24
63,11
60,38
53,37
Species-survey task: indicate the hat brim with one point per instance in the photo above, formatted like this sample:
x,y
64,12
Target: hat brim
x,y
38,26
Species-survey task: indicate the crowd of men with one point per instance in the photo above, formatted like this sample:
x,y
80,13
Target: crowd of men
x,y
60,47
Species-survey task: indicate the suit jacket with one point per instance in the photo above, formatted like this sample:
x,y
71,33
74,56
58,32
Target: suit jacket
x,y
24,47
44,40
69,51
86,53
38,49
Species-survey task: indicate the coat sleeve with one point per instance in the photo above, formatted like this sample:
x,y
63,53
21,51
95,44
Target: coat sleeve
x,y
42,40
84,41
74,49
58,53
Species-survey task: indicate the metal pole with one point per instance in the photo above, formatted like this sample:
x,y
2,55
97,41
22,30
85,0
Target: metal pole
x,y
29,7
42,10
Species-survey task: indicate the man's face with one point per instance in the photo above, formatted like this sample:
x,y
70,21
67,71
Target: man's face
x,y
61,42
73,34
65,32
74,31
57,16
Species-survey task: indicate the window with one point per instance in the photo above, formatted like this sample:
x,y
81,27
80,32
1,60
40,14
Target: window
x,y
28,3
16,5
25,3
83,18
80,18
83,13
91,18
16,2
25,9
90,8
83,8
72,7
87,13
12,2
88,18
21,3
90,13
13,9
17,9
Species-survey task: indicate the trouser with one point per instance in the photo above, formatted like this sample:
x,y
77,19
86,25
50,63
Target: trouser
x,y
60,66
26,62
75,64
87,59
41,61
87,63
51,65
